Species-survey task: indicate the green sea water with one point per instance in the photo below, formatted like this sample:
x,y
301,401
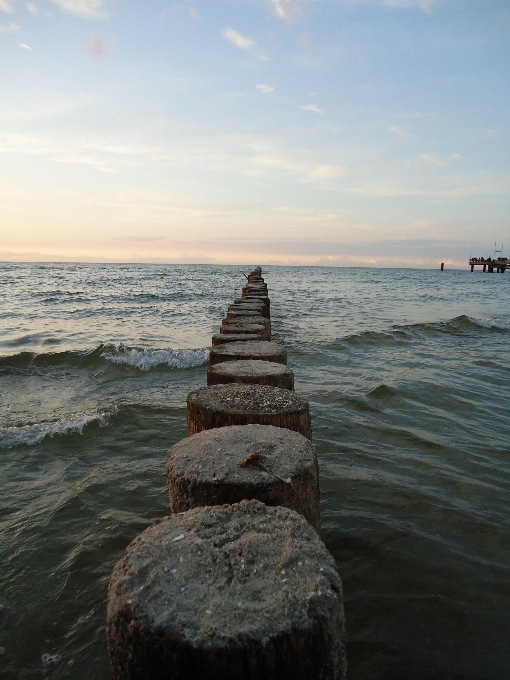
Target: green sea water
x,y
408,377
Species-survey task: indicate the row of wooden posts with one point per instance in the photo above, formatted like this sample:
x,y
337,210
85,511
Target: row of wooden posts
x,y
236,584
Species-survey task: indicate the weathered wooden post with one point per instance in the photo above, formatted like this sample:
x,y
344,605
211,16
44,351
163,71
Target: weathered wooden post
x,y
261,297
255,288
245,327
249,334
235,312
251,301
247,318
236,583
250,305
241,591
231,464
256,349
251,371
244,404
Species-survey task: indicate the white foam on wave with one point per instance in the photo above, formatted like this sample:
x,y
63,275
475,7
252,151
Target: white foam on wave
x,y
503,323
33,434
145,359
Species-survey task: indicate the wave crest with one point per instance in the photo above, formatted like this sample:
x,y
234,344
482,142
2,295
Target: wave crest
x,y
498,323
33,434
145,359
458,326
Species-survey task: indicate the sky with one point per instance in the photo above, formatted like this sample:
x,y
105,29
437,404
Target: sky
x,y
299,132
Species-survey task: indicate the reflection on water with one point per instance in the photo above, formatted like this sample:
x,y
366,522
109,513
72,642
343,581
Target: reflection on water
x,y
407,374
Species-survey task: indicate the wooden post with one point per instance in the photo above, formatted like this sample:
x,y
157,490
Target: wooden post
x,y
251,288
273,465
232,591
256,296
258,331
240,309
256,284
259,304
236,351
222,338
240,404
247,313
251,371
249,320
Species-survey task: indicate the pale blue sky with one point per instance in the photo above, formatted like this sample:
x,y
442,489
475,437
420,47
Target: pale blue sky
x,y
334,132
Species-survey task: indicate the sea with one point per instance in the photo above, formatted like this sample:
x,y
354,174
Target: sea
x,y
407,373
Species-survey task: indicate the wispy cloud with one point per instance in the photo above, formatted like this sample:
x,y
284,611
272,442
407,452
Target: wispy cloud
x,y
237,39
399,131
25,47
99,45
177,9
49,106
436,160
264,89
83,8
250,156
139,239
194,14
286,10
329,172
6,6
11,28
243,42
32,8
311,107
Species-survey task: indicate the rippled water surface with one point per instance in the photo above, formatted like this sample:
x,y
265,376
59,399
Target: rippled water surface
x,y
408,377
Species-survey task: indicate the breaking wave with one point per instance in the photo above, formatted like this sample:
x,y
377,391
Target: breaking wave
x,y
145,359
74,423
141,358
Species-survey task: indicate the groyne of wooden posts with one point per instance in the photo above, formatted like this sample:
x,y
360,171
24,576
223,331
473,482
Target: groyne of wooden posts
x,y
236,583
